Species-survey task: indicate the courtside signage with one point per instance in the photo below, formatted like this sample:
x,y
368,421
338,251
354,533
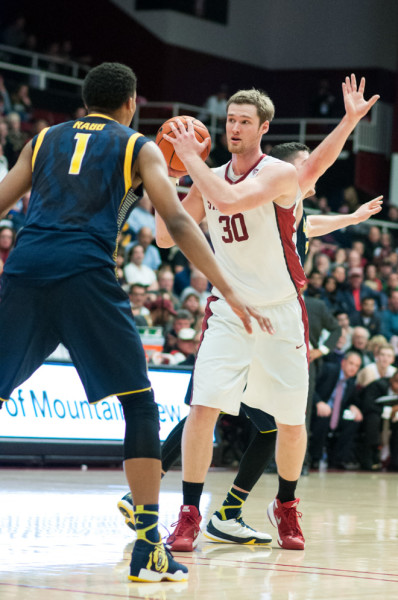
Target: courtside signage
x,y
52,404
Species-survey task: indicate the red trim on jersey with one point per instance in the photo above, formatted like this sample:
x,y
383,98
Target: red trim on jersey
x,y
286,221
243,176
306,326
205,325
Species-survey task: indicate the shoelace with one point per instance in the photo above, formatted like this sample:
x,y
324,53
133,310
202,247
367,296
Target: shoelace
x,y
241,522
293,515
181,523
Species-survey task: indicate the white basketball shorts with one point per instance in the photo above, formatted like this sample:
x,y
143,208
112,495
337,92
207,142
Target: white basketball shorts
x,y
269,372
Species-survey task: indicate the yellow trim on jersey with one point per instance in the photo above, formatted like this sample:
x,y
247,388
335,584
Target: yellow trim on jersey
x,y
39,142
101,115
268,430
128,159
122,394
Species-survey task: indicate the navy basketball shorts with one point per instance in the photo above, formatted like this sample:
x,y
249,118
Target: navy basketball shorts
x,y
90,314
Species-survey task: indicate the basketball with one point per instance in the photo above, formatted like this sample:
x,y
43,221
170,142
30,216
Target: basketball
x,y
176,167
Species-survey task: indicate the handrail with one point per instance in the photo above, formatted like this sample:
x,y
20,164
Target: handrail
x,y
48,58
41,75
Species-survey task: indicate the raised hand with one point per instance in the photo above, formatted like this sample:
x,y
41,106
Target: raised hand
x,y
355,104
368,209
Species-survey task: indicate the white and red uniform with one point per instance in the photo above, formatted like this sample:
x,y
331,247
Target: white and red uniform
x,y
257,251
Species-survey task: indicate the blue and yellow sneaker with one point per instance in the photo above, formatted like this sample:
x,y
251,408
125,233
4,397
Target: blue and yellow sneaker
x,y
125,505
153,563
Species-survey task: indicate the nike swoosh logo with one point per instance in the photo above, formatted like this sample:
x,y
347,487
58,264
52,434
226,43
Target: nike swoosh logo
x,y
278,520
297,347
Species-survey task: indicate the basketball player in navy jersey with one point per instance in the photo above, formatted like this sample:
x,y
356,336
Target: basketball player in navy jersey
x,y
59,283
253,218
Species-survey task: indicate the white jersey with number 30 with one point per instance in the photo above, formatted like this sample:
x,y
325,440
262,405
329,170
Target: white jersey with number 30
x,y
257,248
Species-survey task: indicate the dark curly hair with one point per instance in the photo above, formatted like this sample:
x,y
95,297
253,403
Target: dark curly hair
x,y
108,86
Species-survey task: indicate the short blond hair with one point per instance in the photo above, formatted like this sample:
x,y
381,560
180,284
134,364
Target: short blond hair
x,y
263,103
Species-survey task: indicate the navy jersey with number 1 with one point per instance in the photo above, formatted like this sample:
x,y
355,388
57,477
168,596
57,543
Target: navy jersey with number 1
x,y
81,196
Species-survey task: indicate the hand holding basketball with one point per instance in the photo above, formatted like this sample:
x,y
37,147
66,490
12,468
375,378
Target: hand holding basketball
x,y
180,135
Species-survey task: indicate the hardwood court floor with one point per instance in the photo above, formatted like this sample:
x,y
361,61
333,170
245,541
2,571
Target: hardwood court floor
x,y
62,538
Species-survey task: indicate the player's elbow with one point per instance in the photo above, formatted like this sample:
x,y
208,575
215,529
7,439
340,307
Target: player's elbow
x,y
164,240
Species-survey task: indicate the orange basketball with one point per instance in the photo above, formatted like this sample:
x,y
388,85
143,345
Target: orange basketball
x,y
176,167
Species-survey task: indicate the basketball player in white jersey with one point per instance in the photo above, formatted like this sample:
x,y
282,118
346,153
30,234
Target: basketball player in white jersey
x,y
250,205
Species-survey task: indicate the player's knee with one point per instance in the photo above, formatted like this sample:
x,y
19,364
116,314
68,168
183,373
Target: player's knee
x,y
142,425
291,433
203,416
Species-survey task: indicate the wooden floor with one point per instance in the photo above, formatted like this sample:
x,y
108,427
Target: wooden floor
x,y
62,538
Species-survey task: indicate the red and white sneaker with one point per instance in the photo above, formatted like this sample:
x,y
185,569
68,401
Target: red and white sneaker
x,y
285,518
185,536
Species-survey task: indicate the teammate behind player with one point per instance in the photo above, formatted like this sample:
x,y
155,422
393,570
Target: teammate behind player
x,y
59,282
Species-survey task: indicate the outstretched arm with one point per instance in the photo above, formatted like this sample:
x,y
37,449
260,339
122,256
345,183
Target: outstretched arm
x,y
356,107
318,225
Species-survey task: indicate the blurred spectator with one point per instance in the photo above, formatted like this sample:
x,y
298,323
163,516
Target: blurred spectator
x,y
321,322
350,299
15,34
322,264
190,300
384,250
21,102
152,258
385,269
38,125
5,101
315,282
15,140
323,102
166,282
329,295
346,330
53,51
182,320
7,241
372,242
336,417
137,293
359,342
372,421
141,216
3,131
3,164
161,311
340,257
199,284
135,271
367,316
216,105
359,247
340,275
375,343
390,321
381,367
391,284
354,259
371,278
